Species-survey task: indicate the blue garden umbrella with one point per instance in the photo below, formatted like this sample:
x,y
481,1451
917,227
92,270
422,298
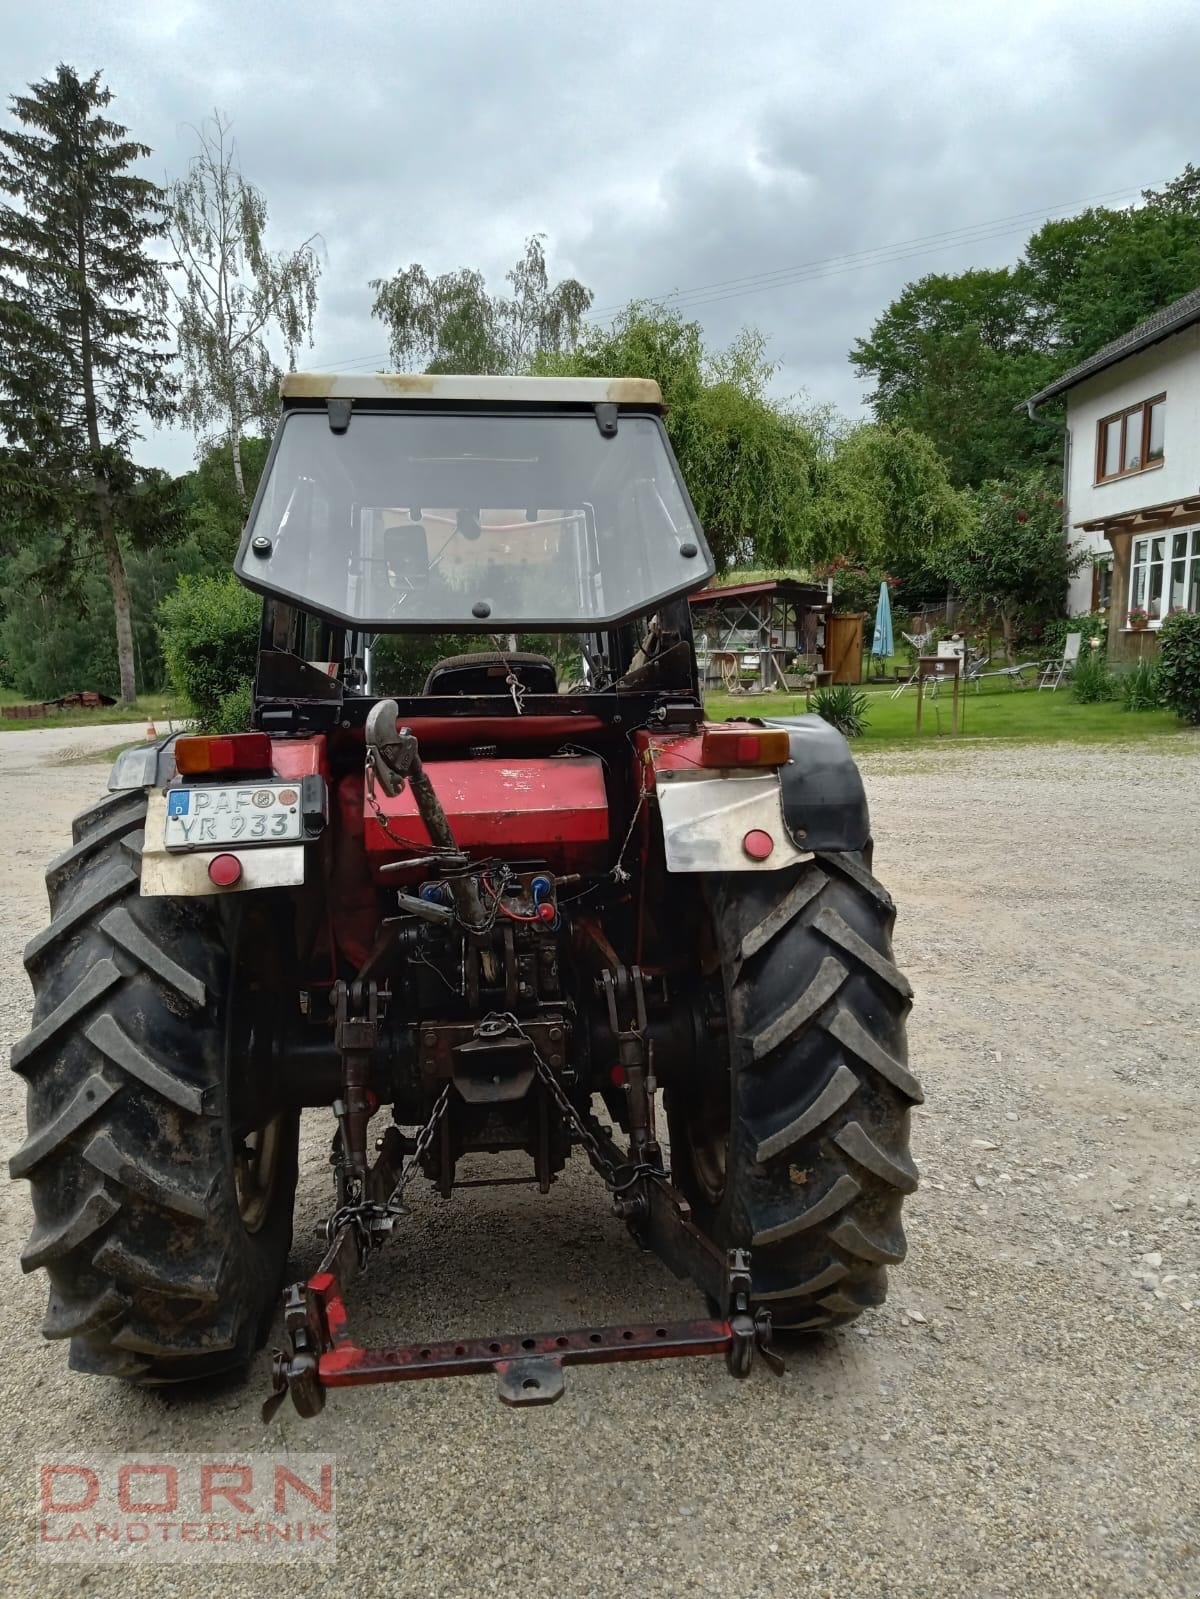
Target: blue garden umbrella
x,y
883,644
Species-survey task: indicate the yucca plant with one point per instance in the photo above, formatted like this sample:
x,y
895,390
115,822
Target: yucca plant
x,y
842,708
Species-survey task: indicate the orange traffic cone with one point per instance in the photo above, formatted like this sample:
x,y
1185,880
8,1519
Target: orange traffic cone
x,y
151,730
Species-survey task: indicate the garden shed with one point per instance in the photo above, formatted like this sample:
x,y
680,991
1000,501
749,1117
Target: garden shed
x,y
755,634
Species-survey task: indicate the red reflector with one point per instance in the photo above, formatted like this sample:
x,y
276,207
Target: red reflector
x,y
225,870
617,1074
238,752
744,746
757,844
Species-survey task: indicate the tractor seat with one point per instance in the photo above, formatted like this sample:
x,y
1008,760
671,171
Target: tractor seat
x,y
485,672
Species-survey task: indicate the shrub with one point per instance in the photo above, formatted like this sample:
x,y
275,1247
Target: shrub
x,y
235,713
209,631
1179,664
842,708
857,589
1093,624
1141,689
1091,682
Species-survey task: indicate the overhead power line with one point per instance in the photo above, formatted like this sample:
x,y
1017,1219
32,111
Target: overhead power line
x,y
705,294
854,260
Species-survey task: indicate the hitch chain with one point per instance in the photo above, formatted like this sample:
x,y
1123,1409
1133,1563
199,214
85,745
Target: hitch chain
x,y
371,766
373,1222
616,1178
394,1205
750,1330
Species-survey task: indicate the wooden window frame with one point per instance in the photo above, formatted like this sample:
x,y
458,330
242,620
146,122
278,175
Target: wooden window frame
x,y
1190,560
1102,568
1142,410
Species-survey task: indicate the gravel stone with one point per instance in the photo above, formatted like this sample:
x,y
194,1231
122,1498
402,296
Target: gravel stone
x,y
1049,897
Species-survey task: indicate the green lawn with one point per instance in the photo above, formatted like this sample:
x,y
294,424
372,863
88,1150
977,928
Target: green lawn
x,y
146,709
996,712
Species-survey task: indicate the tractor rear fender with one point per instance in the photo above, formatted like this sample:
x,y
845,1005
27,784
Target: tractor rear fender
x,y
815,802
824,802
148,766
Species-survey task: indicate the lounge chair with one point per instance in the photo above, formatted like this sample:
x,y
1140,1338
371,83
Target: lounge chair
x,y
1014,675
1054,671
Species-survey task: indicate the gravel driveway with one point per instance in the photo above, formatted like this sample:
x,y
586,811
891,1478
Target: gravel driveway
x,y
1020,1419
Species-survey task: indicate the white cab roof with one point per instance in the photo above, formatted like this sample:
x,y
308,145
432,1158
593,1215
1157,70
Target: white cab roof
x,y
429,386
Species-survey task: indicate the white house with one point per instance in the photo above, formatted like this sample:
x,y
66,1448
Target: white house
x,y
1132,473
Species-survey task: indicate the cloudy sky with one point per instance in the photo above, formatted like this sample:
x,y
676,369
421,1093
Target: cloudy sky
x,y
837,152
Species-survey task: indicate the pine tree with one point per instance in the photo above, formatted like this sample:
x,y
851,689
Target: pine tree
x,y
81,333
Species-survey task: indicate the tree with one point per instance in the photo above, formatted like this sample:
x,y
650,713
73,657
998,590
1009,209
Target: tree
x,y
775,484
209,633
883,499
955,355
1093,277
81,334
234,292
58,639
952,357
747,460
1010,560
216,511
452,324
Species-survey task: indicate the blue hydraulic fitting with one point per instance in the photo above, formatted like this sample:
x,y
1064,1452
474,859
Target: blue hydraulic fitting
x,y
542,890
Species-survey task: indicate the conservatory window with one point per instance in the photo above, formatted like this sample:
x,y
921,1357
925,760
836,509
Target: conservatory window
x,y
1165,574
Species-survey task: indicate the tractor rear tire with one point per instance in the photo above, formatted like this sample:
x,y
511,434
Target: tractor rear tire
x,y
164,1229
796,1142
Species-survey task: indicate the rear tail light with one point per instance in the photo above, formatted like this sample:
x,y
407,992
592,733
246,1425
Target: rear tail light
x,y
758,844
225,870
237,752
745,746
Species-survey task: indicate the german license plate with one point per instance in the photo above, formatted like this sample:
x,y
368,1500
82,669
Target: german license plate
x,y
258,813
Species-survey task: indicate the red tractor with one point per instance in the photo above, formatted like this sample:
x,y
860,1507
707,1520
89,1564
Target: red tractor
x,y
497,912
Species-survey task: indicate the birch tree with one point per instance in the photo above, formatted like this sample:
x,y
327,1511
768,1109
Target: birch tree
x,y
452,323
232,294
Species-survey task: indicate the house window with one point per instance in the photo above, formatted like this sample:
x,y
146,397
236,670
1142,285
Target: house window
x,y
1102,570
1166,573
1132,440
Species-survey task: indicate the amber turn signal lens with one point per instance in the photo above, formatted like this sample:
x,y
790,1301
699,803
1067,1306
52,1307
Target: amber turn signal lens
x,y
745,746
239,752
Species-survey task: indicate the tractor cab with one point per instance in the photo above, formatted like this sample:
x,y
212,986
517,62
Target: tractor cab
x,y
543,521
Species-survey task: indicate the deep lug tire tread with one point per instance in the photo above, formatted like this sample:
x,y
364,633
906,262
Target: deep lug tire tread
x,y
152,1276
818,1161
